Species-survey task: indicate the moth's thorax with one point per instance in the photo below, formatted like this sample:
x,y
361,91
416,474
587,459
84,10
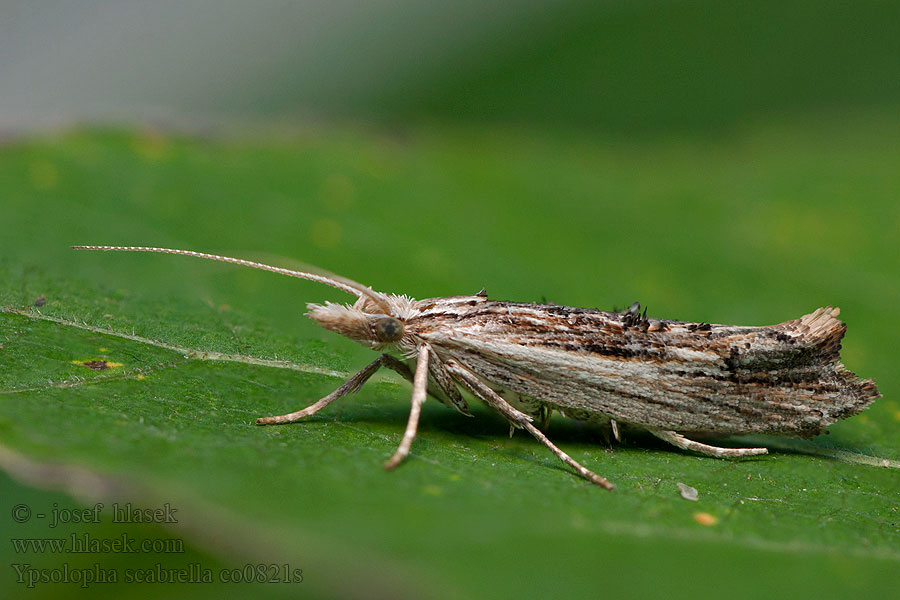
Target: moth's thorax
x,y
450,306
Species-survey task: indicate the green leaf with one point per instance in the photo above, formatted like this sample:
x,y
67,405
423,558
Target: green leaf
x,y
754,229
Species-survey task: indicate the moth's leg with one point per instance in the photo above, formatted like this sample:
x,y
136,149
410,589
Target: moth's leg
x,y
351,385
440,384
446,385
397,365
676,439
519,419
544,413
610,432
420,390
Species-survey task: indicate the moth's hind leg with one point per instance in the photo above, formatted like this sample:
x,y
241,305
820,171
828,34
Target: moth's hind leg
x,y
350,386
676,439
519,419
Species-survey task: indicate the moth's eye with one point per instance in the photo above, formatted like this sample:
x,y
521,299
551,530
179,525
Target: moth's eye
x,y
388,329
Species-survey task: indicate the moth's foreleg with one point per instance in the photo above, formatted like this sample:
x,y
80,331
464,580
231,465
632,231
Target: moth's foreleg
x,y
519,419
420,391
440,384
351,385
397,365
676,439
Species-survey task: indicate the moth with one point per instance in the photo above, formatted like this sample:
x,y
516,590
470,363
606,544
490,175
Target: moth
x,y
677,380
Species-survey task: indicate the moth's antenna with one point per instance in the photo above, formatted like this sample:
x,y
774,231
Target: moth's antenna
x,y
357,289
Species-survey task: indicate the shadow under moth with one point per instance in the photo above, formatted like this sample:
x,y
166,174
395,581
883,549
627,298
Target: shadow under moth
x,y
674,379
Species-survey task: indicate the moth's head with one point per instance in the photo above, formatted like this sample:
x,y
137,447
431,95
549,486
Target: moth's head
x,y
364,322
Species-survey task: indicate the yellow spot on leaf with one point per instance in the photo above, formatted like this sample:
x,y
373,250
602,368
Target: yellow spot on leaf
x,y
433,490
151,145
897,415
325,233
97,364
338,192
141,376
102,349
43,175
705,519
455,477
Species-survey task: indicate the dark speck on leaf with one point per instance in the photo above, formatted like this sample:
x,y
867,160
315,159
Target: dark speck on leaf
x,y
41,300
96,365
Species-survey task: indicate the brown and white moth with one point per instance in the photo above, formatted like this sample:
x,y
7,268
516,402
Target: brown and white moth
x,y
675,379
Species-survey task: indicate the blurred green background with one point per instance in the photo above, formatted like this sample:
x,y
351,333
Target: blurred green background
x,y
721,162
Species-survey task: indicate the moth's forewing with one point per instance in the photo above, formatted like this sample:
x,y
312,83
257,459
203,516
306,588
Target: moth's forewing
x,y
688,377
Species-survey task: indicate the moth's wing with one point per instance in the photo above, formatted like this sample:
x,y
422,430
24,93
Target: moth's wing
x,y
795,368
683,377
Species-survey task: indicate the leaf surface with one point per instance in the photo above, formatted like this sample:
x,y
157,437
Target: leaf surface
x,y
187,353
